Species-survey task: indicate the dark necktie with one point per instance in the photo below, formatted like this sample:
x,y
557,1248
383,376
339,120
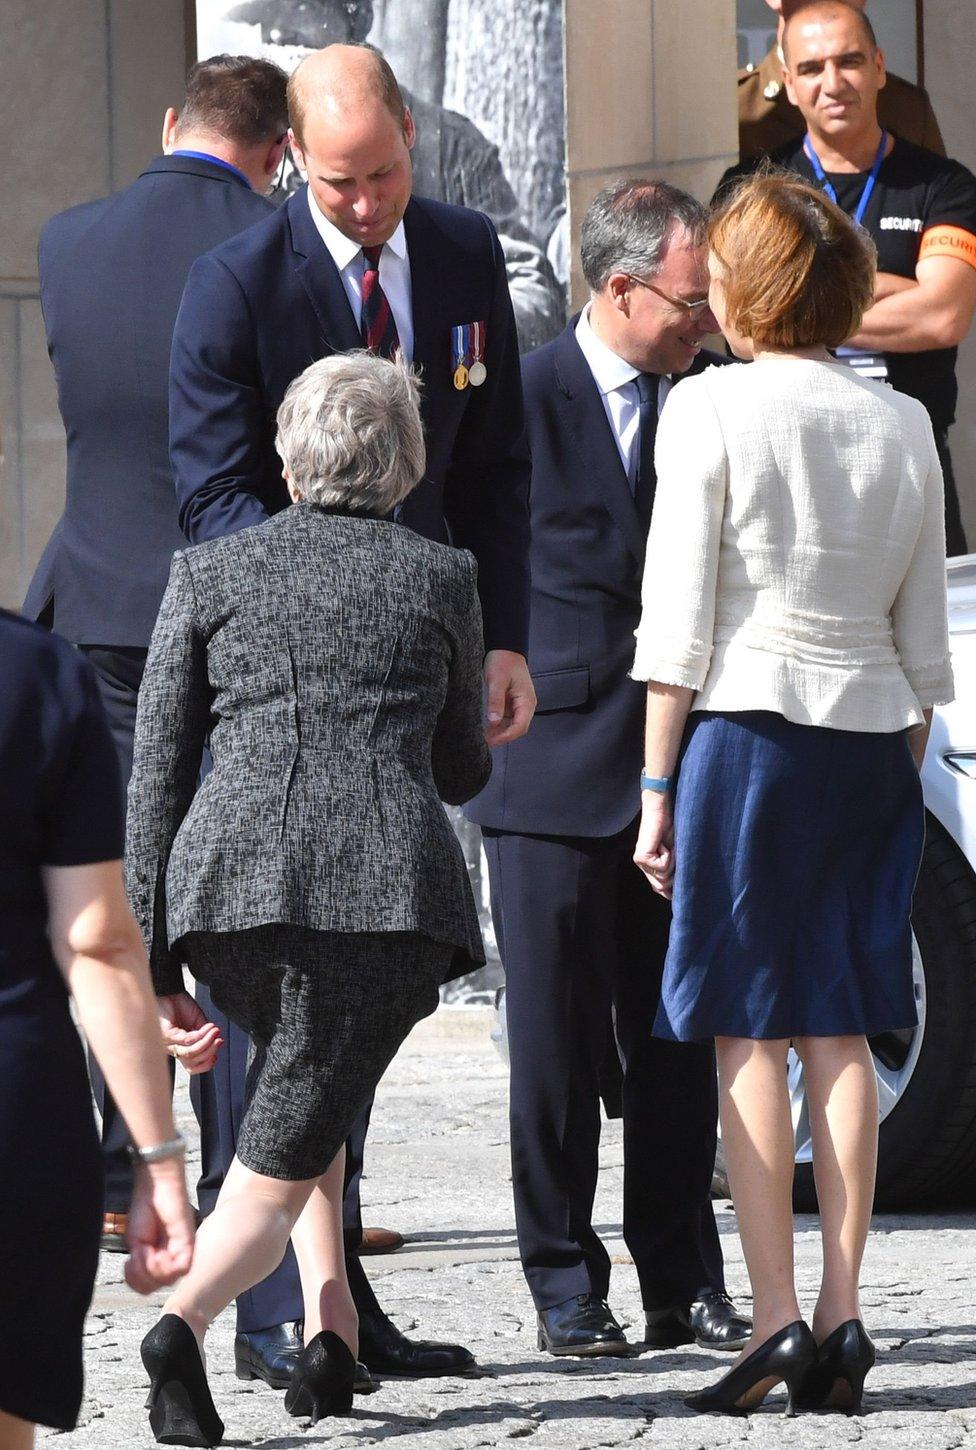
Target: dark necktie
x,y
644,476
377,323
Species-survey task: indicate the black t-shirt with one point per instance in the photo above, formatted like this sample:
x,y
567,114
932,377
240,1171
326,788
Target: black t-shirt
x,y
916,190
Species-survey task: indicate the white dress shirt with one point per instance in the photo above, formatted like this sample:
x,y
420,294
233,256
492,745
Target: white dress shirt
x,y
614,379
394,273
796,559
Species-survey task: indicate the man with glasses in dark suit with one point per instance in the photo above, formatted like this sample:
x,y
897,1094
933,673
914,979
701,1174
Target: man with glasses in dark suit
x,y
580,934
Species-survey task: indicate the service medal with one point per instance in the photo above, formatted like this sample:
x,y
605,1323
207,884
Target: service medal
x,y
477,371
468,354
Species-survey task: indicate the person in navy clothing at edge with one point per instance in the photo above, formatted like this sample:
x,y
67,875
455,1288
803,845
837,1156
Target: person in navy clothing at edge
x,y
352,259
66,927
578,930
103,573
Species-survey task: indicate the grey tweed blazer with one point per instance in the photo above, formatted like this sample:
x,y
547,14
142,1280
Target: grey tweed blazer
x,y
335,662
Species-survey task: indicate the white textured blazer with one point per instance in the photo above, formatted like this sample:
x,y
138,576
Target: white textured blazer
x,y
796,558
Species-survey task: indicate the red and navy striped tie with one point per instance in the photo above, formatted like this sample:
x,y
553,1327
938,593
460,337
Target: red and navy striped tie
x,y
377,322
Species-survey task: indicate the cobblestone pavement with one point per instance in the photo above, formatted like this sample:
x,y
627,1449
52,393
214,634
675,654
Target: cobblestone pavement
x,y
438,1170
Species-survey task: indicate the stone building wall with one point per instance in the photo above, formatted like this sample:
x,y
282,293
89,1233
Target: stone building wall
x,y
650,91
84,84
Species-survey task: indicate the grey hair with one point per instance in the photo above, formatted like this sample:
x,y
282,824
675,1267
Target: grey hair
x,y
349,432
628,226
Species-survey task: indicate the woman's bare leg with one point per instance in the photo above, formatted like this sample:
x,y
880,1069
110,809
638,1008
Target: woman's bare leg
x,y
238,1244
757,1136
15,1434
842,1094
318,1243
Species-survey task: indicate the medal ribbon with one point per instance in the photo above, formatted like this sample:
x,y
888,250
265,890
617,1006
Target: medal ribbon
x,y
828,186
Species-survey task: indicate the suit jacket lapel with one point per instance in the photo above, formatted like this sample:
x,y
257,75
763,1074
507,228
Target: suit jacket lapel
x,y
587,424
434,273
320,278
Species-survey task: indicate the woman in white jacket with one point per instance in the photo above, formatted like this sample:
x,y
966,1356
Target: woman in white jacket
x,y
794,641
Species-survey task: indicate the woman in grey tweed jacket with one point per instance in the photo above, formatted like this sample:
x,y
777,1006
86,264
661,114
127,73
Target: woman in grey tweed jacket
x,y
314,881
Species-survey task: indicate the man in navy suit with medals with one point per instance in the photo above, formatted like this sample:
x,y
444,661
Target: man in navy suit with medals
x,y
580,934
353,260
112,274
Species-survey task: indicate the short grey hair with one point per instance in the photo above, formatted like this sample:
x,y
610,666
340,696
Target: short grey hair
x,y
628,226
349,432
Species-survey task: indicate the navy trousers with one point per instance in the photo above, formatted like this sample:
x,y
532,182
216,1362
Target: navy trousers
x,y
582,936
118,671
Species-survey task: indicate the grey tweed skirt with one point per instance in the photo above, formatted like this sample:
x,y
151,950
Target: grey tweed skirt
x,y
326,1013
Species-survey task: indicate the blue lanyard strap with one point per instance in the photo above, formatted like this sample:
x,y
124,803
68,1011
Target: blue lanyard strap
x,y
828,186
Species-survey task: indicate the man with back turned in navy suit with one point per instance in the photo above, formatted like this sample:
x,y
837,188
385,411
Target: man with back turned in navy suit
x,y
112,274
578,931
352,260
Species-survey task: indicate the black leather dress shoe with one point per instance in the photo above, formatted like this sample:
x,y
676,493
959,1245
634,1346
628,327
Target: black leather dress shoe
x,y
582,1325
384,1350
271,1355
268,1354
711,1322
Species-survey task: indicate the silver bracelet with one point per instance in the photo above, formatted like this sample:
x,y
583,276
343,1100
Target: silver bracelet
x,y
174,1148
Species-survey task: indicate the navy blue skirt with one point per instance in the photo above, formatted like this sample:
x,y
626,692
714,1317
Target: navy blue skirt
x,y
797,849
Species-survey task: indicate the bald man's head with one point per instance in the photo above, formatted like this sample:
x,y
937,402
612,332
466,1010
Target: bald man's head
x,y
804,12
340,77
833,71
352,135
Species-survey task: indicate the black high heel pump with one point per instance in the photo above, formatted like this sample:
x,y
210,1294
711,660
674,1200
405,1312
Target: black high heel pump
x,y
788,1355
836,1382
322,1380
181,1410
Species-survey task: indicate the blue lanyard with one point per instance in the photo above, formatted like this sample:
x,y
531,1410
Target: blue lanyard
x,y
828,187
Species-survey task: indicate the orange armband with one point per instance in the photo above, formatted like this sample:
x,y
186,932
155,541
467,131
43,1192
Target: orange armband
x,y
948,241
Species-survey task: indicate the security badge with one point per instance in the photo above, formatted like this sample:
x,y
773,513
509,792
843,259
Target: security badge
x,y
468,354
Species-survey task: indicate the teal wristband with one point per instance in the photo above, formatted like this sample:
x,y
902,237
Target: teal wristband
x,y
659,783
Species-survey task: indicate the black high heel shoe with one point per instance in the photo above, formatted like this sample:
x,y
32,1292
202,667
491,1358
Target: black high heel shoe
x,y
836,1381
181,1410
788,1355
322,1380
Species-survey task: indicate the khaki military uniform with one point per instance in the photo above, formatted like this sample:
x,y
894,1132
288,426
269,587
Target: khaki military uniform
x,y
767,118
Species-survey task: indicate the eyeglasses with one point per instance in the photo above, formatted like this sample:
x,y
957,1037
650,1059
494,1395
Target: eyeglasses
x,y
693,309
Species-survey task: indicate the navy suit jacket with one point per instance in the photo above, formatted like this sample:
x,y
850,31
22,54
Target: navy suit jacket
x,y
112,274
576,771
260,308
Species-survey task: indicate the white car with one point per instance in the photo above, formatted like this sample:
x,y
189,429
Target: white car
x,y
927,1078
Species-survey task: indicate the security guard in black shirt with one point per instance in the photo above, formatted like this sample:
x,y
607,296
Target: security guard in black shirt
x,y
919,208
768,118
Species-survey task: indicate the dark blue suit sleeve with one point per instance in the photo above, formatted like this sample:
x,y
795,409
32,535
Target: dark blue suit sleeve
x,y
460,759
218,447
171,728
486,490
